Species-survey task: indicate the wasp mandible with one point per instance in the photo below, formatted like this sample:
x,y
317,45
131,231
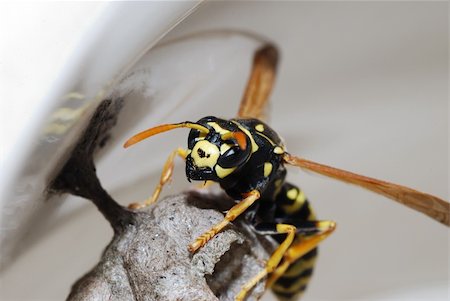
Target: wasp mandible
x,y
247,158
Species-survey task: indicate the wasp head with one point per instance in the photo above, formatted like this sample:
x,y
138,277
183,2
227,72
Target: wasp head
x,y
216,147
217,153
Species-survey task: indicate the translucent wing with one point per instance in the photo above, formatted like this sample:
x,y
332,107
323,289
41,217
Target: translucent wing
x,y
260,83
430,205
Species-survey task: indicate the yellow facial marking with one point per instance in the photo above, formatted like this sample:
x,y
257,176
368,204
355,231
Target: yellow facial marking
x,y
267,169
298,203
224,147
223,172
292,193
205,154
259,128
278,150
218,128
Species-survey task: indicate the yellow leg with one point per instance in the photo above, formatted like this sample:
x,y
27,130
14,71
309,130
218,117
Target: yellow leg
x,y
273,261
301,248
166,175
231,215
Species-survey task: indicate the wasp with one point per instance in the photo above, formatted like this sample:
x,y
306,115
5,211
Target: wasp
x,y
248,159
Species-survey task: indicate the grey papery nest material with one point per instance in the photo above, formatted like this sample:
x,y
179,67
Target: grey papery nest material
x,y
150,260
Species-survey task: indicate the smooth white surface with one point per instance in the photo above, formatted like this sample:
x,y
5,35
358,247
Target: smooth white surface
x,y
361,86
36,42
114,38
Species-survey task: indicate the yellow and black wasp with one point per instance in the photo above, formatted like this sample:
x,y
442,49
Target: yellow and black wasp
x,y
247,158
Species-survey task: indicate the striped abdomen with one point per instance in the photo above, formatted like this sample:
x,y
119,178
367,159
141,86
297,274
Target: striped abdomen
x,y
292,204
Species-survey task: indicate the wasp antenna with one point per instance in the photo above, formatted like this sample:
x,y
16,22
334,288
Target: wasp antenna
x,y
163,128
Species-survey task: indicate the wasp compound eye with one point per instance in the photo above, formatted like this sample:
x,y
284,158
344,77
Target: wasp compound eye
x,y
233,157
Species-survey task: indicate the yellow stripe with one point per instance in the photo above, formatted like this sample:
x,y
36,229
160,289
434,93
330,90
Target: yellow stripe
x,y
292,193
298,203
299,266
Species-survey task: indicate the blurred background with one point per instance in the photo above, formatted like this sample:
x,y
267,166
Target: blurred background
x,y
361,86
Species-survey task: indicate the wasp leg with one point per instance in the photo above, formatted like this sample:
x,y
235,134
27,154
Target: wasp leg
x,y
299,249
274,260
231,215
166,175
260,83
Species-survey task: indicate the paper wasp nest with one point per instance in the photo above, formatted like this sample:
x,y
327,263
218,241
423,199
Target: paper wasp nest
x,y
150,260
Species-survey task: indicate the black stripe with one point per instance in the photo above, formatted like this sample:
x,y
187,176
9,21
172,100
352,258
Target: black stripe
x,y
289,295
282,197
303,212
284,295
267,228
288,282
286,201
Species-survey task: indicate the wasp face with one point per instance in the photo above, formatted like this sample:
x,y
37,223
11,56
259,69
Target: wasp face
x,y
201,162
218,153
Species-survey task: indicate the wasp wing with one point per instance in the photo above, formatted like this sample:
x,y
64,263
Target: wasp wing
x,y
260,83
430,205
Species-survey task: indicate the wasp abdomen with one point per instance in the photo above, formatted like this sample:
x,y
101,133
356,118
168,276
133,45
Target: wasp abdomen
x,y
292,205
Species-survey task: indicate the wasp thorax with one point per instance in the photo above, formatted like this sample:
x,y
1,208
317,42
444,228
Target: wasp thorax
x,y
205,154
